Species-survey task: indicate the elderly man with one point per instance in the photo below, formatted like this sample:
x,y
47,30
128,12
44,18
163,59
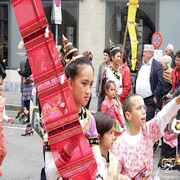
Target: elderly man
x,y
148,82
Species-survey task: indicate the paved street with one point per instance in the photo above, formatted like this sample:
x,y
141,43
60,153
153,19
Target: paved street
x,y
24,159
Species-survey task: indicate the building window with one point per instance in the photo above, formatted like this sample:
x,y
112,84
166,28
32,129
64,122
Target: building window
x,y
4,34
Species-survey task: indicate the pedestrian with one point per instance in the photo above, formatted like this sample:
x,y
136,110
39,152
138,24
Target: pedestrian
x,y
28,86
105,126
89,56
167,77
126,75
112,106
175,91
22,66
80,76
148,81
170,52
101,77
134,148
3,116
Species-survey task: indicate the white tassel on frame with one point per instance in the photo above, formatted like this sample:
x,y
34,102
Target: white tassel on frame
x,y
46,32
21,44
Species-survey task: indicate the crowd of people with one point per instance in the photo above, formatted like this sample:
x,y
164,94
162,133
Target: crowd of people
x,y
131,116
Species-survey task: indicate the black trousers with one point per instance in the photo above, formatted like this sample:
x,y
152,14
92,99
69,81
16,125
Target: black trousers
x,y
151,107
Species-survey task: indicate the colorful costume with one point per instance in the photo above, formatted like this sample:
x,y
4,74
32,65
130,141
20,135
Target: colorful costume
x,y
3,116
170,151
112,168
135,153
88,125
114,75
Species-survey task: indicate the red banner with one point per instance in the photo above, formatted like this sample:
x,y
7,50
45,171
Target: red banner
x,y
59,112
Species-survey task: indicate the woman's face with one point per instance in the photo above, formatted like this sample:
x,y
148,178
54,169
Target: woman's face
x,y
116,60
81,86
106,58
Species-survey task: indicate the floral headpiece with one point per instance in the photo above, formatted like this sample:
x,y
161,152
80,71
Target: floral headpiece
x,y
71,53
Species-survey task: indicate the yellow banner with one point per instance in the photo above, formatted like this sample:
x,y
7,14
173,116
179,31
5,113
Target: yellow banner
x,y
132,9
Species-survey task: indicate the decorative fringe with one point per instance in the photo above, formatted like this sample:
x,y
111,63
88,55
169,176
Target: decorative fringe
x,y
21,44
46,32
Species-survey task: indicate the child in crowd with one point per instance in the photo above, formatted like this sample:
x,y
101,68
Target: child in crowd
x,y
134,148
80,76
111,106
3,116
105,126
169,157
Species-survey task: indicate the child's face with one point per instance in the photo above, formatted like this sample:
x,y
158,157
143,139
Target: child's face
x,y
110,92
1,84
81,86
136,115
106,142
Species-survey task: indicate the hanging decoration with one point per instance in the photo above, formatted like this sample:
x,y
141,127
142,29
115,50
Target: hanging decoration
x,y
133,4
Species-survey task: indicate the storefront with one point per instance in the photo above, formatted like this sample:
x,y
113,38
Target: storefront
x,y
89,24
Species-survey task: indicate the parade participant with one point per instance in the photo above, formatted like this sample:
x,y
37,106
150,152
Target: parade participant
x,y
101,77
80,76
105,126
134,148
114,71
111,106
3,116
170,155
89,56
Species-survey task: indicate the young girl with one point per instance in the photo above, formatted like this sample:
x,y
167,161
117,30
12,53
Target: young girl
x,y
110,105
80,76
3,116
134,148
105,126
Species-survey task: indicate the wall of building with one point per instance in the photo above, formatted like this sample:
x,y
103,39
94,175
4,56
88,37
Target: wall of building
x,y
92,31
169,25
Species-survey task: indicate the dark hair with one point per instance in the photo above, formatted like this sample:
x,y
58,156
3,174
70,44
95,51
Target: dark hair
x,y
104,122
1,77
107,50
177,54
72,70
114,52
108,84
127,103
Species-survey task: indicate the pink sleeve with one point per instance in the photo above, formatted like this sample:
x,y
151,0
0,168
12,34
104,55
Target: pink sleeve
x,y
119,117
168,135
103,107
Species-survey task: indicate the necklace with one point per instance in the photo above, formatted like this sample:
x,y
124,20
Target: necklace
x,y
115,72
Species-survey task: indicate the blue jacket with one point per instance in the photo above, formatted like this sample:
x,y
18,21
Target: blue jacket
x,y
156,78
